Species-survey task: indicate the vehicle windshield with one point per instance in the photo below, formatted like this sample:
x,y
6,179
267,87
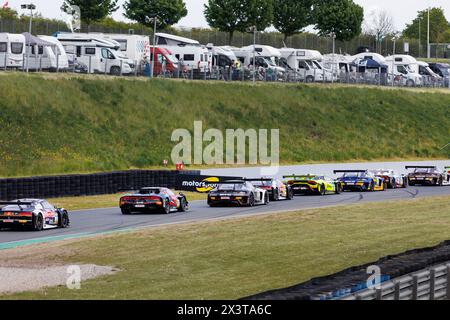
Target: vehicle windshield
x,y
262,183
354,174
402,69
317,65
150,191
231,187
172,58
17,208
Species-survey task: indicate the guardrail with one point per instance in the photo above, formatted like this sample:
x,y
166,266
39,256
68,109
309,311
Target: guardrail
x,y
429,284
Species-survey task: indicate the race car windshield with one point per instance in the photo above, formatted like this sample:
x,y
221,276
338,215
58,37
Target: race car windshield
x,y
262,183
17,208
354,174
150,191
228,187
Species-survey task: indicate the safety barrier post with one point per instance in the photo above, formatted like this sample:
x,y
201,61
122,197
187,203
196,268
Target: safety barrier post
x,y
448,282
397,291
6,60
90,64
415,287
432,283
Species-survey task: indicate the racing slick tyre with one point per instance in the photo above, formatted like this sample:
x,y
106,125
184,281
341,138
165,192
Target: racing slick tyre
x,y
338,188
166,207
63,219
183,205
441,182
38,222
392,184
126,212
290,194
276,195
321,190
251,200
372,187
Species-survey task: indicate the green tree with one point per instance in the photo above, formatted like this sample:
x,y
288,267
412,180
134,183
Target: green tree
x,y
169,12
292,16
8,14
234,15
439,27
223,15
93,10
344,18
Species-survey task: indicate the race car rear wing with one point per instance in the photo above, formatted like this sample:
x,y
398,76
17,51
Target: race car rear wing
x,y
420,167
299,176
15,203
256,179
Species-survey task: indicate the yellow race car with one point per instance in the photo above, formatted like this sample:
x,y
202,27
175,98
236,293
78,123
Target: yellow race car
x,y
313,184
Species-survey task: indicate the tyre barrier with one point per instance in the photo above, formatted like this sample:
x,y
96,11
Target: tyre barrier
x,y
87,184
352,280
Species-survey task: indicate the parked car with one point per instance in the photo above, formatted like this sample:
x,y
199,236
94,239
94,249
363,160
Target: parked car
x,y
313,184
426,175
239,192
360,180
392,179
146,200
36,214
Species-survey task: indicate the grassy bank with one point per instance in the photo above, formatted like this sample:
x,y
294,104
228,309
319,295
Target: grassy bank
x,y
61,124
235,258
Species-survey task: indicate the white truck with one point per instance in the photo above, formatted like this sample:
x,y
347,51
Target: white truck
x,y
12,49
306,64
405,67
191,54
96,53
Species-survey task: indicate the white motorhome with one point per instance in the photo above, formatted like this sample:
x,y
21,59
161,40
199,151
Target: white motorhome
x,y
98,54
12,49
406,67
428,75
191,54
135,47
221,56
306,64
340,65
264,58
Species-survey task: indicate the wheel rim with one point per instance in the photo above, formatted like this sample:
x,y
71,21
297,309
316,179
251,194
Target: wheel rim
x,y
39,222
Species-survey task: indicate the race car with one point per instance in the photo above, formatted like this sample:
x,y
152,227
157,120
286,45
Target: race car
x,y
361,180
36,214
313,184
239,193
147,200
426,175
277,189
392,179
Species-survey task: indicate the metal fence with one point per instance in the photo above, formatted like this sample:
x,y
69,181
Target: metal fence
x,y
430,284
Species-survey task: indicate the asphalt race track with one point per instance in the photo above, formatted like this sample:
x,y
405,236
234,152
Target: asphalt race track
x,y
90,222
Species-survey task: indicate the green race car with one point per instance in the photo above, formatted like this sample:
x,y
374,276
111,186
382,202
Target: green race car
x,y
313,184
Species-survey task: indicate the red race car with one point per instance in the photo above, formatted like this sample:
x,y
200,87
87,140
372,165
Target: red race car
x,y
161,200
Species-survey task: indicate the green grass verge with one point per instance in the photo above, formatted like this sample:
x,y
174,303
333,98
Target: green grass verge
x,y
104,201
60,124
235,258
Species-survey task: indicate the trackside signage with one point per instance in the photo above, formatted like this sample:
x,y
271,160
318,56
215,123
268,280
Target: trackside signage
x,y
198,183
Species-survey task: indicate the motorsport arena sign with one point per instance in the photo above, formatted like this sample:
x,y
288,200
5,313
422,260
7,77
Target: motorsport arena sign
x,y
198,183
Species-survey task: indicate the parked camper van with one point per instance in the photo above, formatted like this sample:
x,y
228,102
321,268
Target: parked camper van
x,y
45,53
405,66
443,70
190,53
98,54
135,47
221,56
12,48
340,65
306,64
428,75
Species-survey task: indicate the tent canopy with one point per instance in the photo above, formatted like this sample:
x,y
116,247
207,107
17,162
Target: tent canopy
x,y
31,40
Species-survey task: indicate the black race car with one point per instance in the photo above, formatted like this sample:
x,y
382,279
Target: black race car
x,y
36,214
277,189
161,200
426,176
239,192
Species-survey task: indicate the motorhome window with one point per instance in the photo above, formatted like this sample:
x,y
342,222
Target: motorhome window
x,y
189,57
398,59
259,50
40,50
301,53
90,51
368,58
162,41
241,59
16,47
402,70
123,44
3,46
